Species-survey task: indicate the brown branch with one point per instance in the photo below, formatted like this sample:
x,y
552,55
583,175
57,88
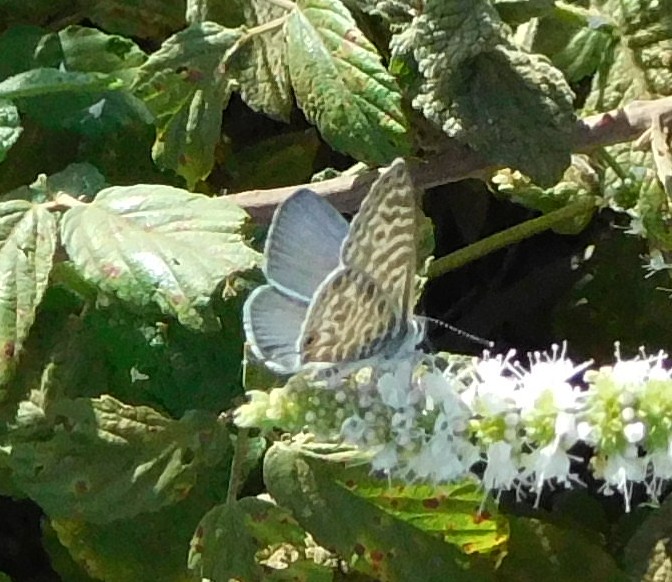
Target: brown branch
x,y
459,162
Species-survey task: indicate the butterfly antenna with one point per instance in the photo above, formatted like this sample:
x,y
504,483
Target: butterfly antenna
x,y
465,334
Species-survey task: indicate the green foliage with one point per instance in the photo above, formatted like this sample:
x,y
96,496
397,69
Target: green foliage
x,y
262,63
460,66
556,555
320,495
28,235
123,270
11,128
129,458
195,243
343,83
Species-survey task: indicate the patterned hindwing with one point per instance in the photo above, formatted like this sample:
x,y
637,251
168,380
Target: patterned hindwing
x,y
349,319
382,238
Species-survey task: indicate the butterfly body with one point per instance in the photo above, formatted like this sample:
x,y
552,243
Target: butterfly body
x,y
338,296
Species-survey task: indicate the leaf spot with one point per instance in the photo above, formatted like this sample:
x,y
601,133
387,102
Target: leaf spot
x,y
431,503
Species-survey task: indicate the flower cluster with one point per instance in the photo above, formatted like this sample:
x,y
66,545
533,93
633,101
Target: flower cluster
x,y
438,418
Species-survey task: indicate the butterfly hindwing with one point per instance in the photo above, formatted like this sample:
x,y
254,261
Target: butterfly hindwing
x,y
272,322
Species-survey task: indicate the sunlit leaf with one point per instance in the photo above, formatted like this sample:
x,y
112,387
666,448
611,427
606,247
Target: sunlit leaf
x,y
76,180
27,245
370,538
158,244
341,85
49,81
481,88
261,63
186,85
10,127
455,512
88,49
151,545
222,547
103,460
147,19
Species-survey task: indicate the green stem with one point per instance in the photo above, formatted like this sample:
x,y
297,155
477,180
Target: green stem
x,y
237,465
509,236
608,159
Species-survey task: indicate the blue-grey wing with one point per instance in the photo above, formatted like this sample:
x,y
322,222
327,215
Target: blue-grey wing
x,y
272,323
303,244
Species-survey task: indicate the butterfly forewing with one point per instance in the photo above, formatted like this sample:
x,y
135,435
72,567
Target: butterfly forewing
x,y
382,236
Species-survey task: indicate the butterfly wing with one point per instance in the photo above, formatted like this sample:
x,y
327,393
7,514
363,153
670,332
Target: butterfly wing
x,y
302,249
348,320
303,244
382,236
272,323
367,303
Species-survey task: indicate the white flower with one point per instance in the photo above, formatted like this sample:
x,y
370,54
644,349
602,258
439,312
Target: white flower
x,y
437,461
501,471
440,390
354,429
634,432
386,459
660,462
620,471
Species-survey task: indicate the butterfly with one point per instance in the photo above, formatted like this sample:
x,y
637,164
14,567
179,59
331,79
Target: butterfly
x,y
338,294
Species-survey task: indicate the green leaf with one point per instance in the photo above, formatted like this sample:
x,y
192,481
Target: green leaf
x,y
91,50
232,540
151,19
186,85
633,69
102,460
479,87
38,82
584,52
76,180
149,546
138,358
372,540
223,548
144,361
10,127
158,244
187,142
638,66
341,85
451,511
261,63
78,104
542,551
61,561
27,245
